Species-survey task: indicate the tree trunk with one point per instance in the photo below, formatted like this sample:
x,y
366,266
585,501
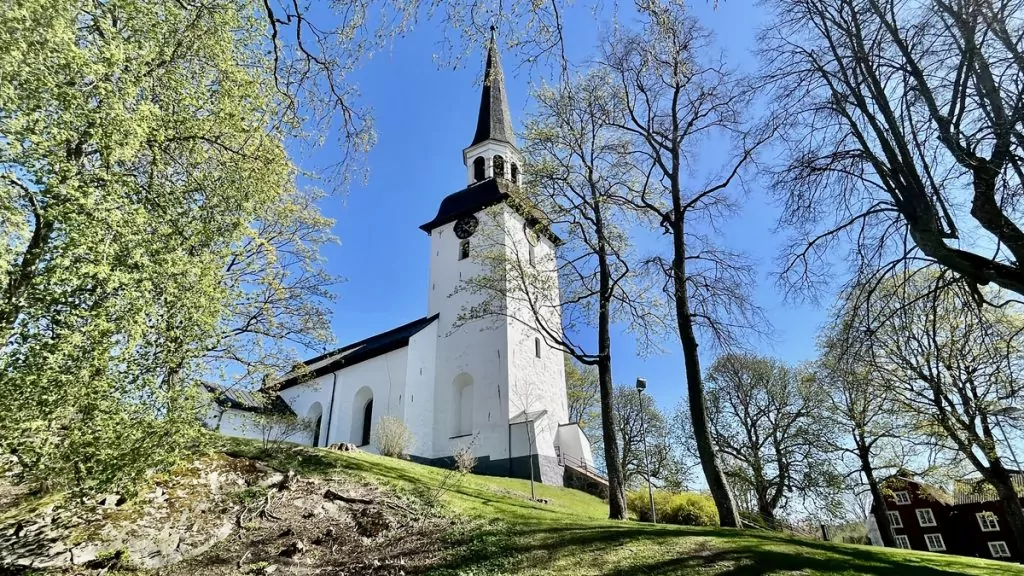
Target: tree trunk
x,y
1002,482
612,459
877,500
728,513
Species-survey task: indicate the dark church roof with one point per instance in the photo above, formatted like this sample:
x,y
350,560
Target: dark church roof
x,y
248,400
355,353
484,194
494,121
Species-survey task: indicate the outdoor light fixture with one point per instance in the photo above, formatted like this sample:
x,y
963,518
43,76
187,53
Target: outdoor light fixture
x,y
641,385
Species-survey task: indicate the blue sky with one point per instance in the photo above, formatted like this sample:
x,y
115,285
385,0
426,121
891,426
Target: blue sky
x,y
425,116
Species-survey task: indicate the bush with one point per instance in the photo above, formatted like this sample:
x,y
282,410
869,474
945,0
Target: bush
x,y
684,508
392,437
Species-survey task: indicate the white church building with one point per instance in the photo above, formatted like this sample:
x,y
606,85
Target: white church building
x,y
492,384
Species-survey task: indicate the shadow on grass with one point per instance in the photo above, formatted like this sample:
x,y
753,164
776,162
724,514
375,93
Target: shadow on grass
x,y
682,551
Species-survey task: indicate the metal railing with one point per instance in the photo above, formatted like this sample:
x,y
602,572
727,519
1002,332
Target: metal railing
x,y
583,466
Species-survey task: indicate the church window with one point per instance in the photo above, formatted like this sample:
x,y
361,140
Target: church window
x,y
316,416
464,249
515,172
462,405
533,256
536,347
367,419
499,166
362,417
478,168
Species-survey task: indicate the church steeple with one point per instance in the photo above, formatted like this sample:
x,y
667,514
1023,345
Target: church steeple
x,y
494,121
493,153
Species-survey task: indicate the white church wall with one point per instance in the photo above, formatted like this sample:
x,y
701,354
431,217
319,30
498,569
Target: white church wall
x,y
574,445
537,382
478,349
416,402
308,399
381,379
243,424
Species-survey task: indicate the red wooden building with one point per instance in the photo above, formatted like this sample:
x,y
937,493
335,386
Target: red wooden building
x,y
970,522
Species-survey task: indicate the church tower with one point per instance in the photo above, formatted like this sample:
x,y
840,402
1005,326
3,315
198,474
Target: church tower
x,y
498,386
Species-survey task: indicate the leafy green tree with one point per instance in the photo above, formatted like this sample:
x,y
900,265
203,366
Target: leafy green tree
x,y
762,421
141,164
582,390
953,366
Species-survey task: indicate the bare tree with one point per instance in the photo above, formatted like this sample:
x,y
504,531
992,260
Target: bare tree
x,y
672,100
761,416
902,123
577,175
953,366
639,419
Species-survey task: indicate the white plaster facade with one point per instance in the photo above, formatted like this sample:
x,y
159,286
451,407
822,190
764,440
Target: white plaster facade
x,y
493,384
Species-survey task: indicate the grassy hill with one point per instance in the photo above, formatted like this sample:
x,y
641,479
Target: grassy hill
x,y
501,531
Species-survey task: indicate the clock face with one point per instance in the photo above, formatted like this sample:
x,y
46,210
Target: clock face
x,y
465,227
531,236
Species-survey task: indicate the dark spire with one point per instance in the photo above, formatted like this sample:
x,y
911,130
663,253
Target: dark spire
x,y
494,121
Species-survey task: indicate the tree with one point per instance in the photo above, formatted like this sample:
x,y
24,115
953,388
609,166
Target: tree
x,y
952,364
671,100
902,125
576,175
633,428
861,416
581,385
761,417
141,152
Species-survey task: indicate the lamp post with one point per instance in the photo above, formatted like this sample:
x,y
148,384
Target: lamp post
x,y
641,385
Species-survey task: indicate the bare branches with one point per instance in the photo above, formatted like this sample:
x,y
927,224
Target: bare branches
x,y
913,107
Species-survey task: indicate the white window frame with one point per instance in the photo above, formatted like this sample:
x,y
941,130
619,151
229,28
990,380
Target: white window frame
x,y
902,542
898,523
921,520
988,522
902,497
999,549
927,542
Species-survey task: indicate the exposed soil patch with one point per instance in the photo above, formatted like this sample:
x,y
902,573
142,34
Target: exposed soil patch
x,y
233,516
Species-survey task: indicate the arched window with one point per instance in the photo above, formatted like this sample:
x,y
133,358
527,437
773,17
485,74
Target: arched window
x,y
462,405
533,256
478,168
499,166
464,249
515,173
367,419
536,347
316,415
362,417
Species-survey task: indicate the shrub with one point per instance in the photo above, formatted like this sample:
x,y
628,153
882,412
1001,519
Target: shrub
x,y
685,508
392,437
465,461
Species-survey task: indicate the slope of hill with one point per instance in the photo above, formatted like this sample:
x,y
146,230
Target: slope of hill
x,y
357,513
501,531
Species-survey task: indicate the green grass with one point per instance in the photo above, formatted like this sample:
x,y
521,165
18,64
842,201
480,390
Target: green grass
x,y
507,533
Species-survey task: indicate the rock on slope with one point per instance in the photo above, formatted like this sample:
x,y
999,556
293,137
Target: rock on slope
x,y
227,515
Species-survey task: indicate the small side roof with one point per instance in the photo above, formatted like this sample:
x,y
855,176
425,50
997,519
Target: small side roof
x,y
247,400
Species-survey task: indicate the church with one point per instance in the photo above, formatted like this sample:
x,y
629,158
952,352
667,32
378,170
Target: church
x,y
491,385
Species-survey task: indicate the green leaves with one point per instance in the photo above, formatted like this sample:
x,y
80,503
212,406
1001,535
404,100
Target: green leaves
x,y
151,223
